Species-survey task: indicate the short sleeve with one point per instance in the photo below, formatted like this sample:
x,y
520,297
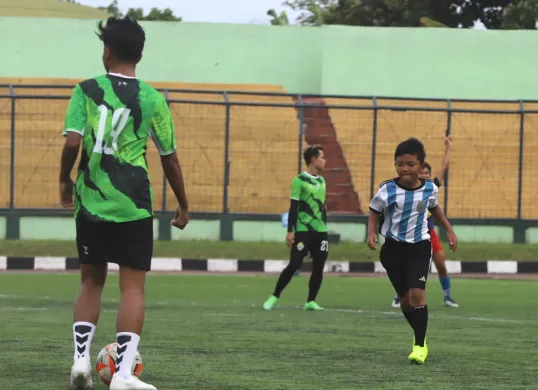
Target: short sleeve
x,y
296,186
437,182
379,201
432,201
162,129
75,119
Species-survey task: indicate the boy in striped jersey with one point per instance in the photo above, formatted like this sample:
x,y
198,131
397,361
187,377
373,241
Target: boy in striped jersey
x,y
406,254
438,254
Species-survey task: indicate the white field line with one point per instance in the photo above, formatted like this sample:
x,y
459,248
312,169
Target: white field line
x,y
238,305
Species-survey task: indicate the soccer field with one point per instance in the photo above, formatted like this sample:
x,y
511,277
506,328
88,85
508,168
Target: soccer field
x,y
209,332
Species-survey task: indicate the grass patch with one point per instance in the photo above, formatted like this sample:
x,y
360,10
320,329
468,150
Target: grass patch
x,y
264,250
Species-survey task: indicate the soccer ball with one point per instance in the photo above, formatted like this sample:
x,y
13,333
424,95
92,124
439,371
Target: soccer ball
x,y
106,363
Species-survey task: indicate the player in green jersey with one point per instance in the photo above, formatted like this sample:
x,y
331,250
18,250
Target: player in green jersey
x,y
307,228
112,116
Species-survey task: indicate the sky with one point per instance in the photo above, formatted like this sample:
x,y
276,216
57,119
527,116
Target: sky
x,y
216,11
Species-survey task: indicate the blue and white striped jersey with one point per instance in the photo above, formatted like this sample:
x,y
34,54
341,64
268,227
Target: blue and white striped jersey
x,y
405,211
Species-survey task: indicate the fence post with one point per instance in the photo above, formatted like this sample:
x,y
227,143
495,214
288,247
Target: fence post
x,y
301,133
225,207
447,133
520,230
374,147
12,220
12,155
226,221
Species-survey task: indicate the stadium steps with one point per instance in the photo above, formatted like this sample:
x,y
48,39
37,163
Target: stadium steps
x,y
341,196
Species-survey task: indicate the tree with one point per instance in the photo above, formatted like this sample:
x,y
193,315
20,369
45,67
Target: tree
x,y
521,15
278,20
494,14
138,13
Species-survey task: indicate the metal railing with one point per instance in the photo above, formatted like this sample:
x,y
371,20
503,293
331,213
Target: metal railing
x,y
239,149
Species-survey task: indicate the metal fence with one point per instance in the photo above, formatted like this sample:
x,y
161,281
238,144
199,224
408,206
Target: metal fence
x,y
240,150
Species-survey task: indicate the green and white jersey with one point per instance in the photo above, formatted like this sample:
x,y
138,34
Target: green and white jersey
x,y
116,115
310,192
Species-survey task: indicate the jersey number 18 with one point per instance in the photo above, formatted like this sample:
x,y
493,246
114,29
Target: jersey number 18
x,y
119,120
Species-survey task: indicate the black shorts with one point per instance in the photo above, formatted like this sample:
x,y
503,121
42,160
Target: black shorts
x,y
128,244
407,264
315,243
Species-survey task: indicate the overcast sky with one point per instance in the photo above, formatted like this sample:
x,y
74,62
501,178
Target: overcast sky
x,y
225,11
216,11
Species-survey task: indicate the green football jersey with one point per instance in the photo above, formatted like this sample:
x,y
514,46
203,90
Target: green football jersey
x,y
115,116
310,191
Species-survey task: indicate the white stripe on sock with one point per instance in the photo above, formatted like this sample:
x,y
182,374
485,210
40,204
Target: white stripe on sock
x,y
128,355
85,345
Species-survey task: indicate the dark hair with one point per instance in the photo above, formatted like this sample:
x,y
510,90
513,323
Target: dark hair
x,y
311,152
124,37
411,146
428,167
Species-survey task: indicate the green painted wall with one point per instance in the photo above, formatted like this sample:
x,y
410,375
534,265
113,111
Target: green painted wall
x,y
63,228
417,62
198,230
56,228
186,52
437,63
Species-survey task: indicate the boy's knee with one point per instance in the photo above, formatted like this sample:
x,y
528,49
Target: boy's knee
x,y
416,297
295,262
318,263
93,276
132,280
293,266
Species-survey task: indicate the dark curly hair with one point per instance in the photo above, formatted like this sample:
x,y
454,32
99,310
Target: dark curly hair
x,y
411,146
124,37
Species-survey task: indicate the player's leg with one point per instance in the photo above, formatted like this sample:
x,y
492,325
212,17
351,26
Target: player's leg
x,y
319,248
391,257
133,250
396,300
298,252
93,271
418,265
439,259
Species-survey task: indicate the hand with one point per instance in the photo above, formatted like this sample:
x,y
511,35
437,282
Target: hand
x,y
182,219
290,239
452,240
66,193
448,142
372,241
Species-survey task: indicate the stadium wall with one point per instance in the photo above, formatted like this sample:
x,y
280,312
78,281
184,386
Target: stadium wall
x,y
63,228
399,62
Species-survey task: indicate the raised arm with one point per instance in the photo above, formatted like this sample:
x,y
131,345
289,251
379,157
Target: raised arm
x,y
446,159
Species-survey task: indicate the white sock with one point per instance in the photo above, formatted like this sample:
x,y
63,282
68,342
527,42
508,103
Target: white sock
x,y
127,347
83,335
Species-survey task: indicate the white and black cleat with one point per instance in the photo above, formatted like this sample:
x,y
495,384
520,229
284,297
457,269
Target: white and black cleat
x,y
449,302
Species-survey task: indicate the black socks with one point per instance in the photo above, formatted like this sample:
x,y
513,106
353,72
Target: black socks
x,y
417,317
